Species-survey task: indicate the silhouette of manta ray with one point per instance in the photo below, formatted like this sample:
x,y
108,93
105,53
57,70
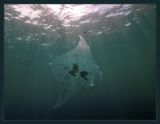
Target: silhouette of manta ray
x,y
72,69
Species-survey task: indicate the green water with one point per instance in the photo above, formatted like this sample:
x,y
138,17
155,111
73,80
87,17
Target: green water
x,y
123,45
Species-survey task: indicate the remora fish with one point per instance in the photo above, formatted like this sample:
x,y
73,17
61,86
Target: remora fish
x,y
73,69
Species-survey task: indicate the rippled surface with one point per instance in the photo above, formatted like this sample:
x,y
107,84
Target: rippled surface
x,y
122,42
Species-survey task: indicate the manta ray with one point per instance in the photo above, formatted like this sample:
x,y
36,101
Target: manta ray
x,y
74,69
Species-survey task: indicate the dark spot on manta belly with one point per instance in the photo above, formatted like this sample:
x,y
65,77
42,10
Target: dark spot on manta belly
x,y
83,74
74,70
72,73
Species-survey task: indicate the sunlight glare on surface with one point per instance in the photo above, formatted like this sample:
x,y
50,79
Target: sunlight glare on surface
x,y
78,10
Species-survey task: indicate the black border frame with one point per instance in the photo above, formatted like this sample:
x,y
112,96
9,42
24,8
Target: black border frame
x,y
2,2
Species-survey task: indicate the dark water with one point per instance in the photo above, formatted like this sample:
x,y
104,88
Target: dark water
x,y
122,40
